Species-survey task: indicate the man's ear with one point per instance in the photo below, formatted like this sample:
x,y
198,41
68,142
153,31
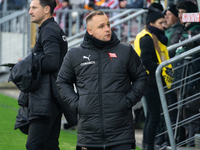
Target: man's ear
x,y
47,9
89,31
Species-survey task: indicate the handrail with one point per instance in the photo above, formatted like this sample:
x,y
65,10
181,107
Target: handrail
x,y
161,90
12,16
112,25
111,19
140,12
193,38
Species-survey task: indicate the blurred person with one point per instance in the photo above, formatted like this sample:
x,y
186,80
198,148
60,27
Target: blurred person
x,y
151,46
110,79
157,6
94,4
1,4
188,30
173,27
132,4
16,4
45,104
122,3
104,4
101,4
58,7
64,22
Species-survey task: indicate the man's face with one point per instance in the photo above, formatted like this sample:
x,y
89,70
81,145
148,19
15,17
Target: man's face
x,y
99,27
159,23
180,14
37,12
170,18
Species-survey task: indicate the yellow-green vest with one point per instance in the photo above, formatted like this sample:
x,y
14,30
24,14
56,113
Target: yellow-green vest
x,y
168,79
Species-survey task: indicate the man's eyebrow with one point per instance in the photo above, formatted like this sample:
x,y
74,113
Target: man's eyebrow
x,y
101,24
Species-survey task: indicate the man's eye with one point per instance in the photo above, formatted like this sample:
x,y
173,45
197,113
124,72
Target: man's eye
x,y
101,27
108,25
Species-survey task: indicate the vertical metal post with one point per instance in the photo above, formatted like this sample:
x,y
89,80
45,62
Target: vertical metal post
x,y
77,23
28,34
4,8
70,24
198,4
164,106
139,23
144,104
129,29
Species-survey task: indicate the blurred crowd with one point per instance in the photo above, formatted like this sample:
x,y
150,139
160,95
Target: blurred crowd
x,y
166,27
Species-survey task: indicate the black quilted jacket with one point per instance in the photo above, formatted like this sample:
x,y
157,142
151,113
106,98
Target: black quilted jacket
x,y
103,81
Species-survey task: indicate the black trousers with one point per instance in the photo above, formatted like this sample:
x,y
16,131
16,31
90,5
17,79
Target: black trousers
x,y
153,116
117,147
44,132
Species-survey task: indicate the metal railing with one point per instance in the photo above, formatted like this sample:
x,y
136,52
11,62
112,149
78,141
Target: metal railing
x,y
14,37
182,100
122,14
125,19
15,29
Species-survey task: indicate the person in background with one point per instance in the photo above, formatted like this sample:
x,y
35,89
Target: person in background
x,y
45,104
132,4
173,27
151,46
58,7
110,78
101,4
188,30
64,24
1,4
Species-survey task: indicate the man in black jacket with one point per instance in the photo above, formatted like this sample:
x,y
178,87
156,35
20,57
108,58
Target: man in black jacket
x,y
45,113
110,79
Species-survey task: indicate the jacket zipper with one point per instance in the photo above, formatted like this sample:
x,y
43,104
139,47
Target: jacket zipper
x,y
100,99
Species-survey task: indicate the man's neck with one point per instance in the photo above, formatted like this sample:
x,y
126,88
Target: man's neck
x,y
45,18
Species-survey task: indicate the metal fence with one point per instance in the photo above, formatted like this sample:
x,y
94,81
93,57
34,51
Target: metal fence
x,y
126,24
72,20
179,109
14,37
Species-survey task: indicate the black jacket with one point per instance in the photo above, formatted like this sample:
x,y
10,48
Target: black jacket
x,y
178,71
173,35
103,80
51,42
149,58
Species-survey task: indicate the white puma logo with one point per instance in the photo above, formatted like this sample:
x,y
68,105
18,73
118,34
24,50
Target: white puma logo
x,y
64,38
88,58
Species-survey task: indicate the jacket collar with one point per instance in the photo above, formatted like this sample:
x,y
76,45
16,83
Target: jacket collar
x,y
46,22
88,42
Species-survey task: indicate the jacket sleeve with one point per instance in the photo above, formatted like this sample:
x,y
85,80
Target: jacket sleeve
x,y
139,78
65,81
51,49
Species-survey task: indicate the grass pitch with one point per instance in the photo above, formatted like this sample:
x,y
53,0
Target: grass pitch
x,y
11,139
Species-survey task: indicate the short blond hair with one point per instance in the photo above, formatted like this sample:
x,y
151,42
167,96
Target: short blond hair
x,y
92,14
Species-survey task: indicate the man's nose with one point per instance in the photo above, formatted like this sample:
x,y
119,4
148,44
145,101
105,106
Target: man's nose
x,y
30,11
107,28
